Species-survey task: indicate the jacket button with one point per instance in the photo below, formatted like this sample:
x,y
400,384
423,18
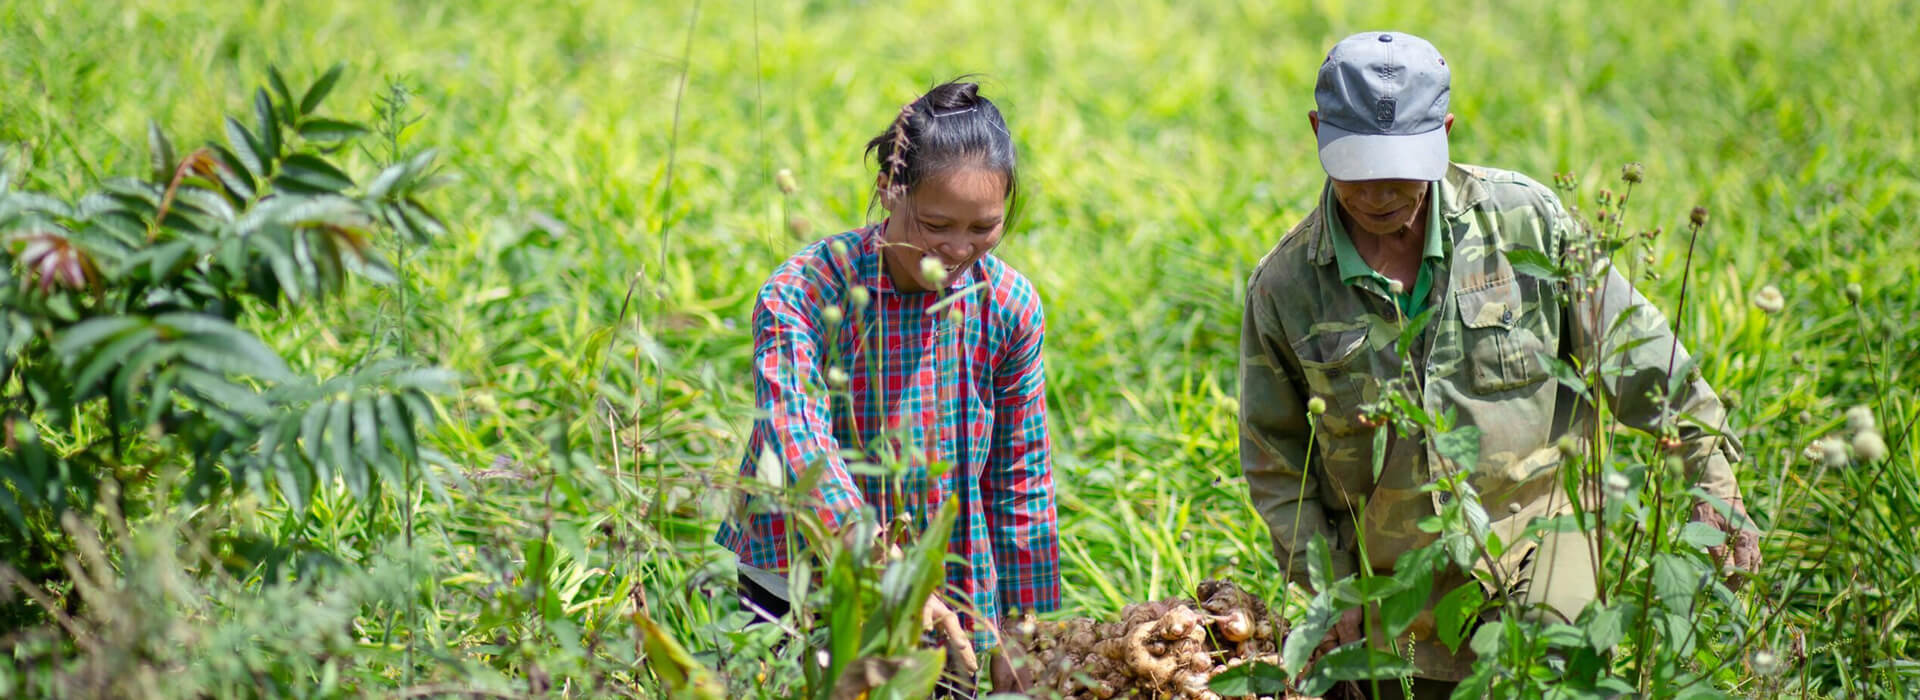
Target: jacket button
x,y
1507,317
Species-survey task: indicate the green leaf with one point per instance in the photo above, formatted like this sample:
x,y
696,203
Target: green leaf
x,y
1254,678
1533,263
1413,329
1305,637
312,173
366,438
1457,612
280,91
160,155
1703,535
339,439
399,427
313,426
1380,449
1399,609
247,147
1461,445
1674,580
1354,662
1609,626
77,338
217,389
318,91
1565,374
235,175
110,357
329,130
217,337
268,123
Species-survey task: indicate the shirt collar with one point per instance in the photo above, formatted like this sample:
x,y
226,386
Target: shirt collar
x,y
1352,266
1455,194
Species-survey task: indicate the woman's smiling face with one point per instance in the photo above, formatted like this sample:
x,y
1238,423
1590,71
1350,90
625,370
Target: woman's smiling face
x,y
953,219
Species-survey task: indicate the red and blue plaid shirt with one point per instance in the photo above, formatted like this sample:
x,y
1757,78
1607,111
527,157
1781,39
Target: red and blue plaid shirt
x,y
959,385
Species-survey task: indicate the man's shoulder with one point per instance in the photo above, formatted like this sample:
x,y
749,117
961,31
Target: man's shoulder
x,y
1289,260
1502,190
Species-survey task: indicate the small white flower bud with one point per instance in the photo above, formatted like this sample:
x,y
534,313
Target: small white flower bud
x,y
832,315
1833,452
1396,287
858,297
1316,406
1860,419
1868,446
836,377
933,270
785,180
1769,299
839,248
1766,663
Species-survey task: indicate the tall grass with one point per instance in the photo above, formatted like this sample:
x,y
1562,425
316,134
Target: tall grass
x,y
1168,149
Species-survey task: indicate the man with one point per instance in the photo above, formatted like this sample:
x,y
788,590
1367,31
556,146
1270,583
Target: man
x,y
1400,232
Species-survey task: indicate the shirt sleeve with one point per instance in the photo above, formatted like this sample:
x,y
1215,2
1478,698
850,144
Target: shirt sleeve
x,y
1018,480
789,391
1274,444
1639,353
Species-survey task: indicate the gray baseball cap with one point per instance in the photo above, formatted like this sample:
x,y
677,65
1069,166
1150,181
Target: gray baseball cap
x,y
1382,98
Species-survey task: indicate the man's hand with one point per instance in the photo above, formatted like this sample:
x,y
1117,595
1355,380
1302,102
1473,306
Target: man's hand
x,y
1345,631
1741,552
941,619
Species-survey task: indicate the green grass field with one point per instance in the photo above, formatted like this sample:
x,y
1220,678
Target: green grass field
x,y
603,148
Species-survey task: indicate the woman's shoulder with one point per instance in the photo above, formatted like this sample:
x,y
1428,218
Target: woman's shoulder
x,y
1013,296
818,272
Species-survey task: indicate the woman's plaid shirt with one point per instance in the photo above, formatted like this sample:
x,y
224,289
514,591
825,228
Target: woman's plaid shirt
x,y
957,385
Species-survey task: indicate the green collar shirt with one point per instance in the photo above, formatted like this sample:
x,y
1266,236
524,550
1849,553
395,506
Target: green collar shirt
x,y
1355,271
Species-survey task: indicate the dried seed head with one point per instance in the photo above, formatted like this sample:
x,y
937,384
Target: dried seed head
x,y
1765,663
799,227
1396,287
1316,406
784,178
832,315
836,377
1868,446
858,297
1833,452
1860,419
1632,173
1853,293
1698,217
1567,445
1769,299
1813,453
1514,507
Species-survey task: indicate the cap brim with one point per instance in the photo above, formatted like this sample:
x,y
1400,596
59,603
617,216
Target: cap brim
x,y
1353,157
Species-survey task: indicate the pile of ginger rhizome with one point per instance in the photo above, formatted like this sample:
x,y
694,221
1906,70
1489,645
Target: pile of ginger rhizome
x,y
1166,648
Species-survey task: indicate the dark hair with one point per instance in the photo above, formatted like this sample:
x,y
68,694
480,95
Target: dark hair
x,y
950,126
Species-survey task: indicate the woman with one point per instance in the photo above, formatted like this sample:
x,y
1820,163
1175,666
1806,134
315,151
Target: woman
x,y
908,344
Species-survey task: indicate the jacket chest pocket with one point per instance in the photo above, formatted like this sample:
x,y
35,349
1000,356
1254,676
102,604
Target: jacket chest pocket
x,y
1335,368
1503,338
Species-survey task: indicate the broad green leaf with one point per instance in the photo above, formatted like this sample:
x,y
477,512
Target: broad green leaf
x,y
1461,445
398,427
109,357
1565,374
218,389
76,339
284,97
1380,449
339,437
329,130
1253,678
1609,626
247,147
1533,263
1306,636
318,91
313,173
1674,580
1354,662
1456,613
1703,535
240,350
234,174
268,123
160,155
1399,609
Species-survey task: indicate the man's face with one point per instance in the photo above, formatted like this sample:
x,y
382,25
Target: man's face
x,y
1382,207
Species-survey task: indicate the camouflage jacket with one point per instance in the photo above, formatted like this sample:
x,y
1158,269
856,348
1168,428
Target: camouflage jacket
x,y
1306,334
